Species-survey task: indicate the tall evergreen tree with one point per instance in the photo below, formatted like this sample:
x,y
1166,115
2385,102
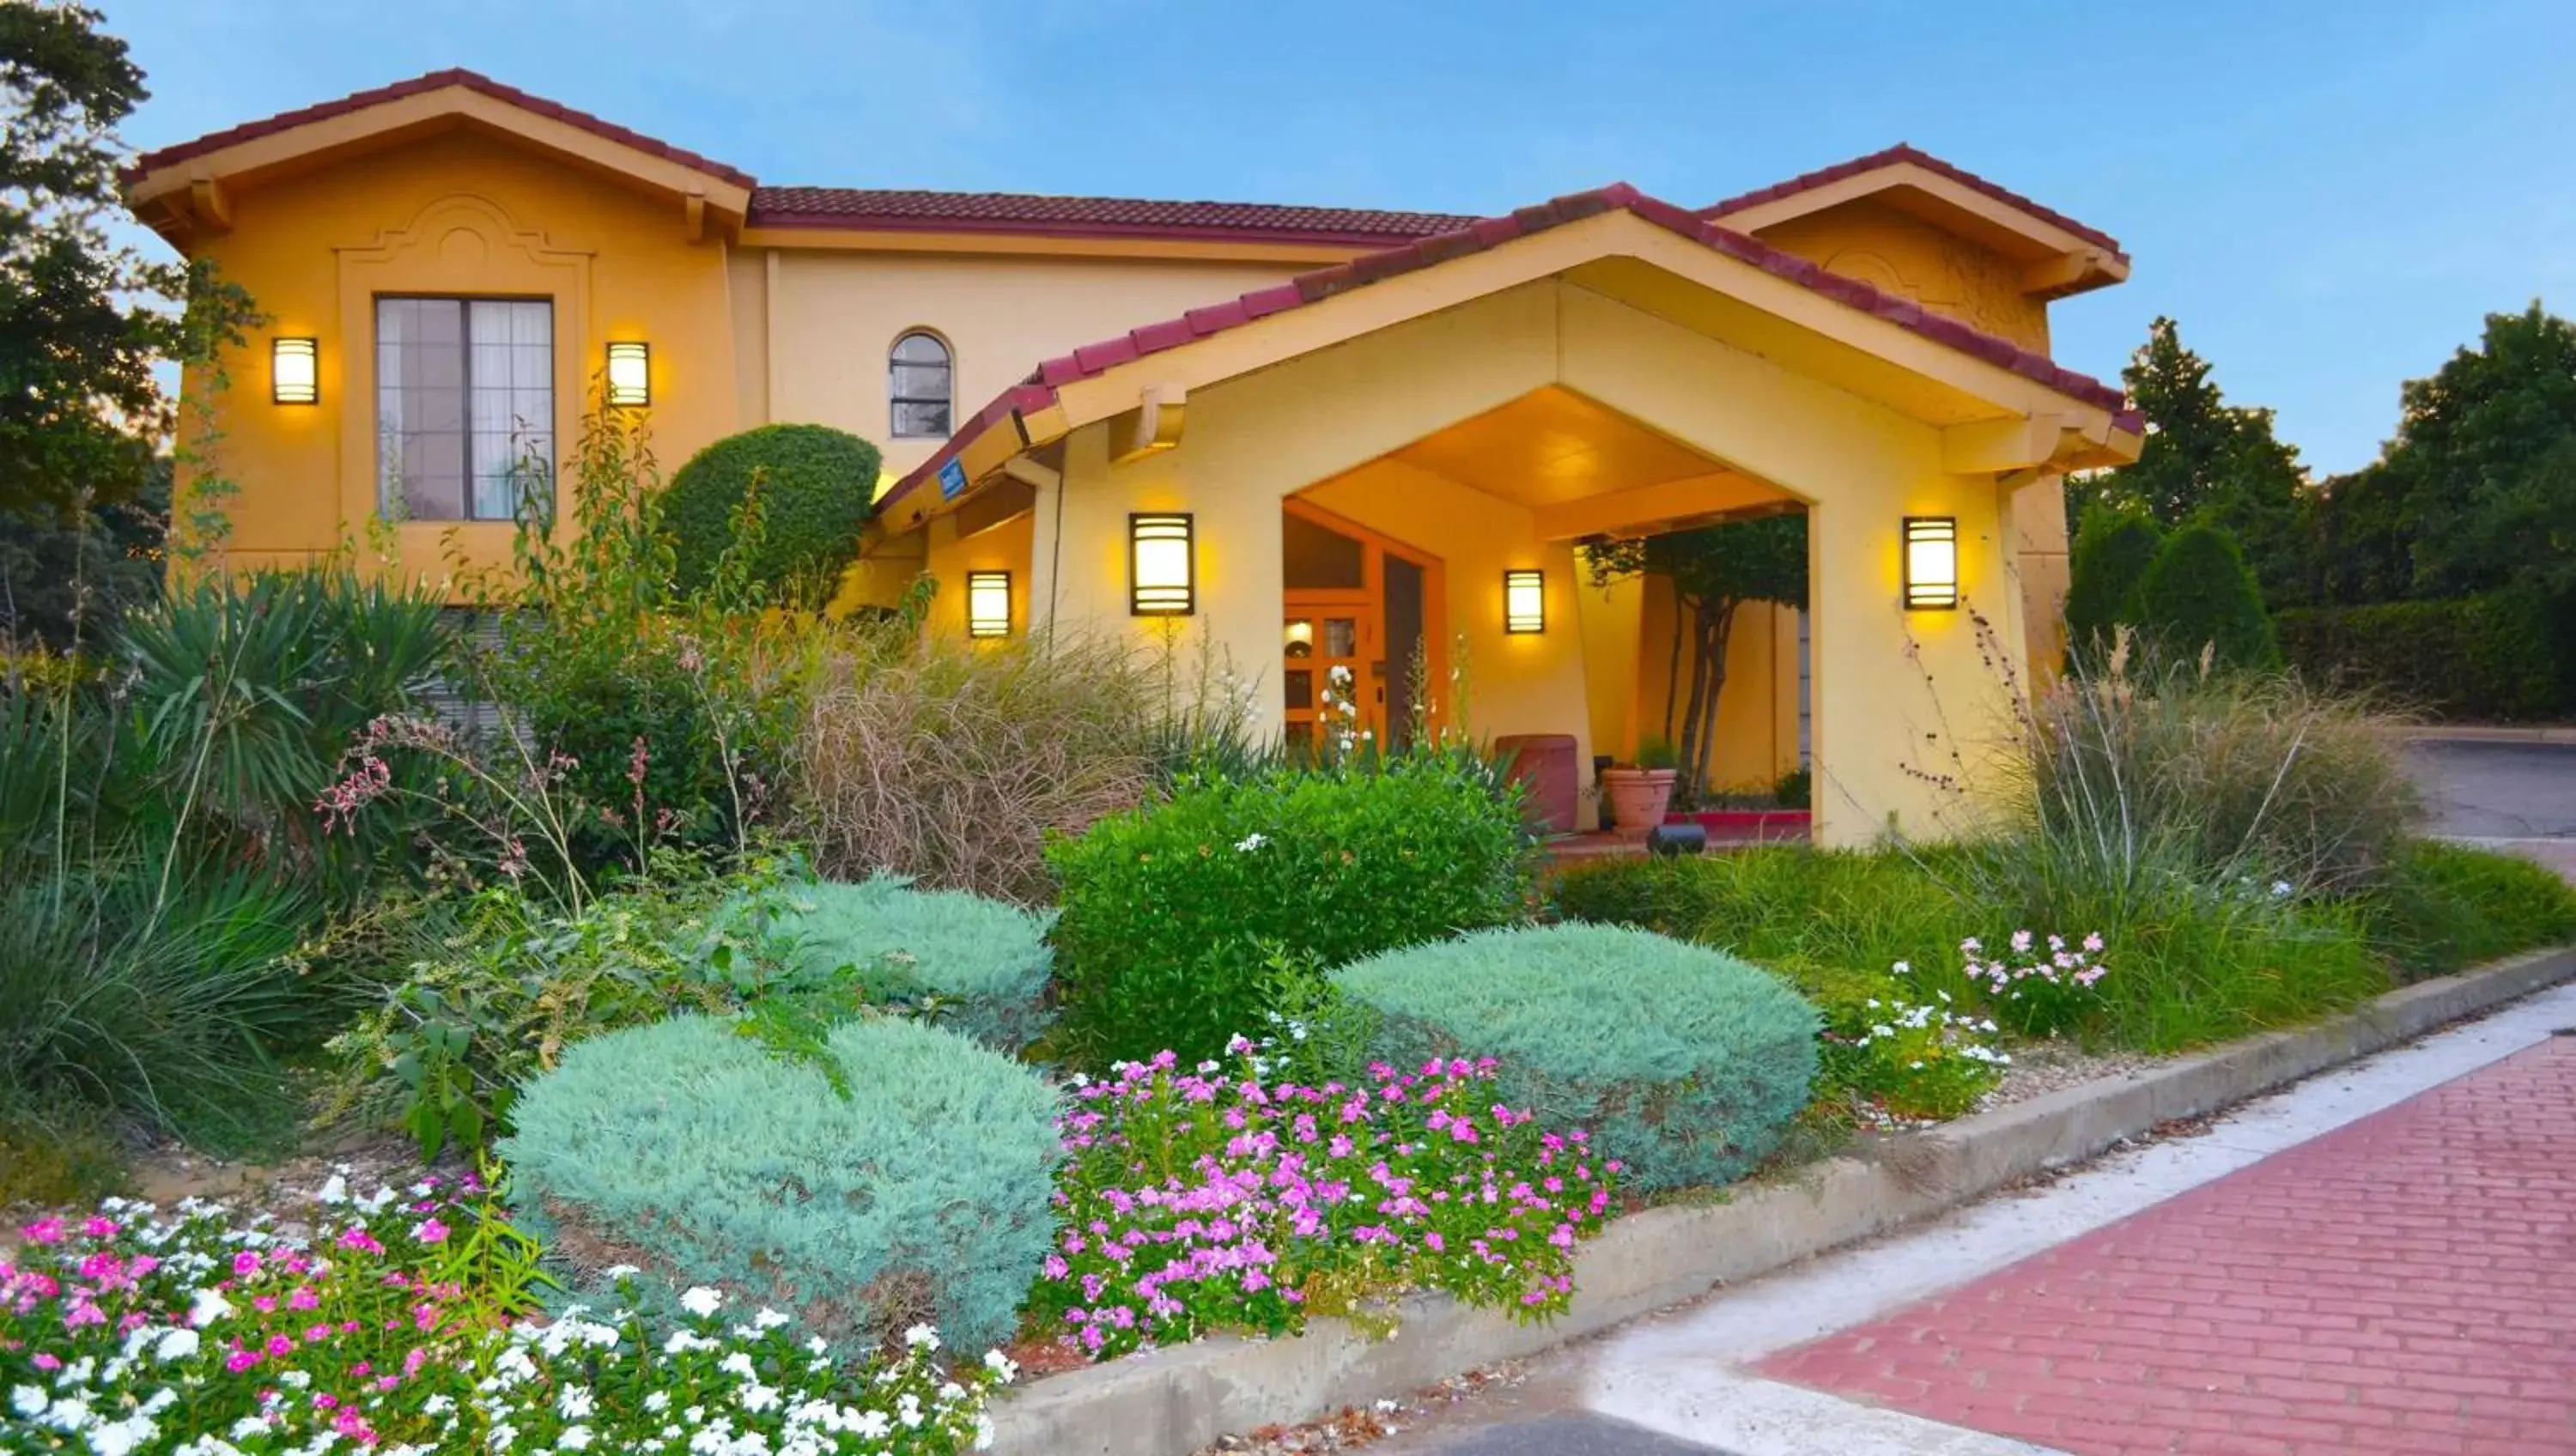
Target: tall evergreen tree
x,y
2200,596
2208,460
2113,549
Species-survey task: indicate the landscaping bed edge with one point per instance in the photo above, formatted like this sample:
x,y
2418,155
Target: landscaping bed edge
x,y
1173,1402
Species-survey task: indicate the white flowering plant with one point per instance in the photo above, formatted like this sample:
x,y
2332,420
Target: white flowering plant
x,y
1911,1059
402,1324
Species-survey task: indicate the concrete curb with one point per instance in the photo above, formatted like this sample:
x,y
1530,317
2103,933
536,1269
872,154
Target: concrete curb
x,y
2497,733
1172,1402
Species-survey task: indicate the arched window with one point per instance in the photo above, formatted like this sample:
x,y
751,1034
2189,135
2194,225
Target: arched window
x,y
918,385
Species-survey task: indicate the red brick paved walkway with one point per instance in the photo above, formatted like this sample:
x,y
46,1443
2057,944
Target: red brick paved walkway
x,y
2404,1284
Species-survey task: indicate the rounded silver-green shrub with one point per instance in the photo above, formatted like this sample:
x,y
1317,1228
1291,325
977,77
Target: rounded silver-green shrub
x,y
985,963
701,1156
1683,1063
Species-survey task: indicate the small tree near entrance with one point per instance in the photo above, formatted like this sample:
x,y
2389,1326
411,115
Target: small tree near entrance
x,y
1713,571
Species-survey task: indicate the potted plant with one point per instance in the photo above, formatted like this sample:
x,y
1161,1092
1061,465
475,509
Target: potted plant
x,y
1638,795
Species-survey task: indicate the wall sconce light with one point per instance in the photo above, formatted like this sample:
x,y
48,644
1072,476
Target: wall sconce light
x,y
988,604
1524,602
1931,563
1162,566
630,375
294,371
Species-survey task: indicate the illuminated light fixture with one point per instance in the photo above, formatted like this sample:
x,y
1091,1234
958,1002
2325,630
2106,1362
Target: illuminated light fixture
x,y
1162,566
988,604
630,375
1931,563
1524,602
294,371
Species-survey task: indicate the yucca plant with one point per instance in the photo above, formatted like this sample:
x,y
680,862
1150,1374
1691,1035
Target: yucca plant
x,y
244,692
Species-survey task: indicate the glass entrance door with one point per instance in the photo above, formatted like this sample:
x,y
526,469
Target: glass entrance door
x,y
1329,670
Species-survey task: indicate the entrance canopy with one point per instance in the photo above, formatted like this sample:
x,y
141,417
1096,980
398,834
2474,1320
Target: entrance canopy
x,y
1473,407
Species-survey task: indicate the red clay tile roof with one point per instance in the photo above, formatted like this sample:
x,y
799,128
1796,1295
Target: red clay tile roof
x,y
1039,390
435,80
855,207
1894,155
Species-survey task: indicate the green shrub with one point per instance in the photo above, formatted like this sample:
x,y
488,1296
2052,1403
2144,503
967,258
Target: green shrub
x,y
2449,907
986,962
2479,658
2200,595
817,486
682,1148
488,992
2113,549
1684,1064
1795,789
650,715
1172,914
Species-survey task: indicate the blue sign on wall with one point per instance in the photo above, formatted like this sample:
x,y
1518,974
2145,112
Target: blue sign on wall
x,y
952,480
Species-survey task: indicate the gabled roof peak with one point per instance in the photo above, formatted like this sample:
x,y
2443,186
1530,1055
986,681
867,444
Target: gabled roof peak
x,y
1906,154
454,76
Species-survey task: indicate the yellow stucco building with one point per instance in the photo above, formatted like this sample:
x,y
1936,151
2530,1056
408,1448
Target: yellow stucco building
x,y
1305,439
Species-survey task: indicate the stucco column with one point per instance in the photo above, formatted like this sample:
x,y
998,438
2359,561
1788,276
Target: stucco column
x,y
1236,532
1907,706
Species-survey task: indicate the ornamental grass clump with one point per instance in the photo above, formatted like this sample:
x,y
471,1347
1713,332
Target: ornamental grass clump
x,y
398,1324
917,1190
979,965
1213,1199
1687,1064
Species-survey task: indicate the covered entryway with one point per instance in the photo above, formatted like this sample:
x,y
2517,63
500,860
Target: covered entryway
x,y
1363,633
1486,402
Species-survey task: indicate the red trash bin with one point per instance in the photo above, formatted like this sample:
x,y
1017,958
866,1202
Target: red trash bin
x,y
1544,763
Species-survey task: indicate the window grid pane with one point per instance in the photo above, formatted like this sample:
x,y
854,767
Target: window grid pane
x,y
464,405
919,380
513,400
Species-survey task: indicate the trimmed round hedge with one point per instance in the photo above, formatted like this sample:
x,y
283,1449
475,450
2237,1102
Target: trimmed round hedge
x,y
820,485
703,1157
988,961
1683,1063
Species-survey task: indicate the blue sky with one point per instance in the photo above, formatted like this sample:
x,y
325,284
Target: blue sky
x,y
2328,196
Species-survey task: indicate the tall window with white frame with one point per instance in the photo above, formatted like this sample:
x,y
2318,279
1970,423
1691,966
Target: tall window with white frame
x,y
920,387
465,405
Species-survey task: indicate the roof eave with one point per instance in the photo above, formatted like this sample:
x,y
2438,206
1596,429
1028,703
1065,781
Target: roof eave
x,y
1035,412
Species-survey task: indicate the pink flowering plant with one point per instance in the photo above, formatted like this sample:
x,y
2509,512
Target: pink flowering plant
x,y
398,1323
1216,1199
2035,991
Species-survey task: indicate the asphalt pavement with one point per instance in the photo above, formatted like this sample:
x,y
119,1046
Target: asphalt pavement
x,y
2482,790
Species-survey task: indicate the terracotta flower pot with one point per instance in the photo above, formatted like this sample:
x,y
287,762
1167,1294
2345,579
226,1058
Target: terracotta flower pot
x,y
1638,798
